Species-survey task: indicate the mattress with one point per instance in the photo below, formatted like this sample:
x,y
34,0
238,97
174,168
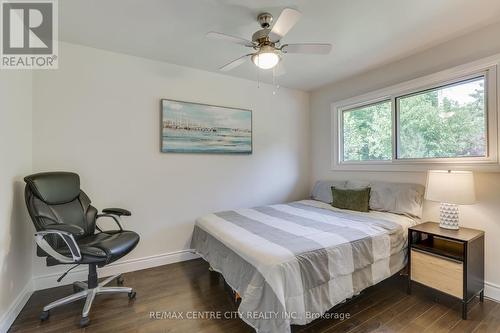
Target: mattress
x,y
292,262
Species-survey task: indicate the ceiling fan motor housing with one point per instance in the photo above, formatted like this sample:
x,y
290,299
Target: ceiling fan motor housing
x,y
265,20
260,36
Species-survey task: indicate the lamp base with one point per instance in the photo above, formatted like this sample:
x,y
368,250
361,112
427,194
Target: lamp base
x,y
448,214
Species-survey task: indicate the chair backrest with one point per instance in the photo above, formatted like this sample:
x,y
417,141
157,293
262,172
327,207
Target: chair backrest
x,y
56,198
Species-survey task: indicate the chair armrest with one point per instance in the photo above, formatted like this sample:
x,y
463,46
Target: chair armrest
x,y
117,211
114,217
67,237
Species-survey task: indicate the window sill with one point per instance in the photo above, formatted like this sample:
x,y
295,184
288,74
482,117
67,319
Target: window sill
x,y
421,166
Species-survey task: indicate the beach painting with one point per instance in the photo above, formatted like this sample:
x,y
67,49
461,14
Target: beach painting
x,y
200,128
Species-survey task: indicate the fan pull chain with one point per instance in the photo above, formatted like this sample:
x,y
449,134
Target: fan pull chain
x,y
275,84
258,78
274,79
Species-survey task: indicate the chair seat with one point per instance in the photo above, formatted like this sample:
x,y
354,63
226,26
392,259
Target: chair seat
x,y
104,247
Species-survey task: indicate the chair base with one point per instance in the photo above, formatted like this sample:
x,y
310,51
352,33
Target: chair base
x,y
89,294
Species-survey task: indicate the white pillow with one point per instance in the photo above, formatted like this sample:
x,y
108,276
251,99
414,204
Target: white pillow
x,y
357,184
398,198
322,190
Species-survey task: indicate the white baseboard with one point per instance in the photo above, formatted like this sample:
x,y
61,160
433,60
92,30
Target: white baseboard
x,y
15,308
492,291
50,280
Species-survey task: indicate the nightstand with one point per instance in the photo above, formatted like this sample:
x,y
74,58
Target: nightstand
x,y
449,261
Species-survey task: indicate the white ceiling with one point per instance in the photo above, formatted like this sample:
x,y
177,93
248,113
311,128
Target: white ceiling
x,y
365,33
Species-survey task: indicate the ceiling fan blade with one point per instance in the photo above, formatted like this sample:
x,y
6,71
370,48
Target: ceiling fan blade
x,y
308,48
235,63
229,38
284,23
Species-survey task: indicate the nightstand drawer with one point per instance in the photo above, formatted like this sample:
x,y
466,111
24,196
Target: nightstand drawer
x,y
437,272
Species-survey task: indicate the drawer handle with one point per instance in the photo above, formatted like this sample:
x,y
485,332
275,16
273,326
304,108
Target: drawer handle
x,y
437,256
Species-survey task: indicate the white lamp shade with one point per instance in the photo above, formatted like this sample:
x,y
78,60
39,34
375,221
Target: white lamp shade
x,y
453,187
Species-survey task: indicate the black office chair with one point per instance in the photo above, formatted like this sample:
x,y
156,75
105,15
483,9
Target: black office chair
x,y
66,234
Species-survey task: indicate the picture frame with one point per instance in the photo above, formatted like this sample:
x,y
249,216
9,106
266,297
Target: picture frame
x,y
188,127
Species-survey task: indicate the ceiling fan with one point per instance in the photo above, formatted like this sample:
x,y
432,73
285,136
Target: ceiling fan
x,y
267,42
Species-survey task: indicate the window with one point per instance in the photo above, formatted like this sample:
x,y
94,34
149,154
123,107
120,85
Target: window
x,y
445,118
367,132
445,122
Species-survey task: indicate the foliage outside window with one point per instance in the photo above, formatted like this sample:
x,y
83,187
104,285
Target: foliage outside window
x,y
446,122
440,123
367,132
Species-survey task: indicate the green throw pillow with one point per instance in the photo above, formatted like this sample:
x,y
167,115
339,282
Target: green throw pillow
x,y
357,200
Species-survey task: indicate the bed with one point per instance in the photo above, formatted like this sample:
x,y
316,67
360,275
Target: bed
x,y
293,262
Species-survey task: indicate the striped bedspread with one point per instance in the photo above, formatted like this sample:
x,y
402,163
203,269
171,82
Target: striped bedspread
x,y
292,262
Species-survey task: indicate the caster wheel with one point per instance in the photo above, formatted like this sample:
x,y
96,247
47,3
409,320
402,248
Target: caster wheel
x,y
45,315
131,295
120,280
84,321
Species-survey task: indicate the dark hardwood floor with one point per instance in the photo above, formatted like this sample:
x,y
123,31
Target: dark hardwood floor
x,y
189,286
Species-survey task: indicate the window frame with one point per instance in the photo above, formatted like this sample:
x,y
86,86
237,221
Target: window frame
x,y
396,120
486,67
341,129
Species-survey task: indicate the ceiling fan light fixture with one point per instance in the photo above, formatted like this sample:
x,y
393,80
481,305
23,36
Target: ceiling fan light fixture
x,y
266,58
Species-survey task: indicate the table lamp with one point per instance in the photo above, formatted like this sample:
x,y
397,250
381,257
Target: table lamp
x,y
450,188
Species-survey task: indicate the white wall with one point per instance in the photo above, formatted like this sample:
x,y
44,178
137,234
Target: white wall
x,y
16,242
99,114
483,215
